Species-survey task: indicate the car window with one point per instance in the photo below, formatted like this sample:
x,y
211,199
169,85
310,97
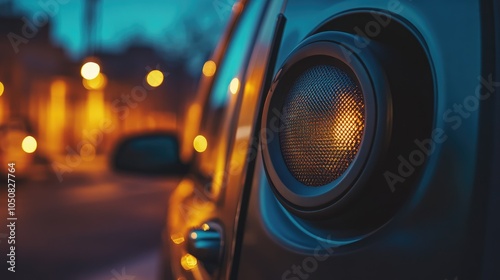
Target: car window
x,y
219,115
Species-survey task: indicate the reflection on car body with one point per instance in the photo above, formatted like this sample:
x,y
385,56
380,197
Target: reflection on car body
x,y
305,116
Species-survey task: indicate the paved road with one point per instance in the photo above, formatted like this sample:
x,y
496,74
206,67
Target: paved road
x,y
95,224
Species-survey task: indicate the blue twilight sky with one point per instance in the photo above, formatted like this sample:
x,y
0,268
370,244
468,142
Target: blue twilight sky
x,y
118,22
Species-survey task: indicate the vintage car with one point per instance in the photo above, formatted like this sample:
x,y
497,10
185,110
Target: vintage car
x,y
343,140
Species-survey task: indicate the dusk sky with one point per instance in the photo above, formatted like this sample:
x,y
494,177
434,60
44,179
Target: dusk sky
x,y
153,22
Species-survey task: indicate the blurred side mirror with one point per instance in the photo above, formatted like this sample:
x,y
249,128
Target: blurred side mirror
x,y
152,154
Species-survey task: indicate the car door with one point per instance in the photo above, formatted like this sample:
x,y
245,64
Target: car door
x,y
201,222
376,157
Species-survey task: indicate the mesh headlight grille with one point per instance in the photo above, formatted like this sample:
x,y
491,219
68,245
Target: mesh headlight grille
x,y
322,124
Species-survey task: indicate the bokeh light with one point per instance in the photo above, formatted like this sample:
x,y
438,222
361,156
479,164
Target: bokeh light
x,y
155,78
29,144
2,88
209,68
200,143
90,70
189,262
97,83
177,238
234,86
205,227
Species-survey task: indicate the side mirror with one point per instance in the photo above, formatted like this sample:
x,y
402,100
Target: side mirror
x,y
152,154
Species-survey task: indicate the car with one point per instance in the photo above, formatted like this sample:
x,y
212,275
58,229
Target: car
x,y
343,140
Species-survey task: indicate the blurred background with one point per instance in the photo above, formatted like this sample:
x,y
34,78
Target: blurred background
x,y
76,78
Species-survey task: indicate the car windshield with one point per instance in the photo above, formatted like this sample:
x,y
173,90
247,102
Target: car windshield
x,y
219,111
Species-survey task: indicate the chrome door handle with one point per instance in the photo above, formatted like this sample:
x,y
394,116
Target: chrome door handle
x,y
206,244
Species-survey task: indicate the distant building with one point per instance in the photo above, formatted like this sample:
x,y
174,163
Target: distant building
x,y
43,86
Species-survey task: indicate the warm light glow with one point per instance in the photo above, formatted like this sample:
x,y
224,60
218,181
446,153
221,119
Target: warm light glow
x,y
205,227
55,113
209,68
29,144
190,130
189,262
348,123
200,143
185,186
194,235
88,152
177,238
234,86
90,70
96,107
97,83
2,88
155,78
